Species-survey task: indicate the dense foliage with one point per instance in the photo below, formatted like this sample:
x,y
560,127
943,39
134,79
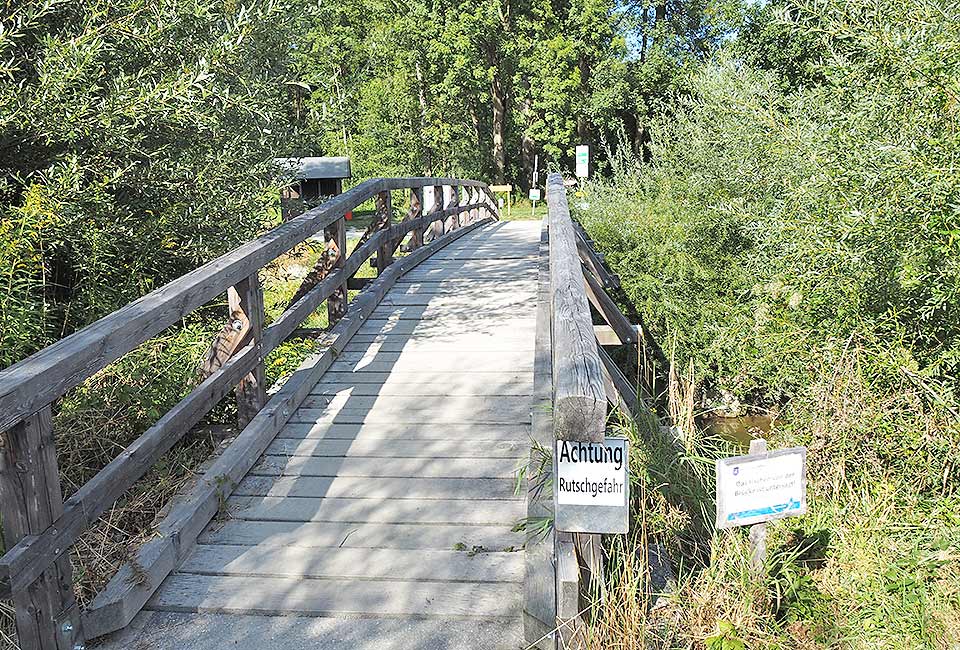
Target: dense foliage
x,y
135,143
796,241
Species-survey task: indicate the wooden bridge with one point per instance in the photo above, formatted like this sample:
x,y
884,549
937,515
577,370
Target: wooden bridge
x,y
372,500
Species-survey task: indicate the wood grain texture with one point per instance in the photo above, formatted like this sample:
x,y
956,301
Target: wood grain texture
x,y
36,381
580,403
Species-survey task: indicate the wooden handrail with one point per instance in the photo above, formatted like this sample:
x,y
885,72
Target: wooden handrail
x,y
579,398
31,386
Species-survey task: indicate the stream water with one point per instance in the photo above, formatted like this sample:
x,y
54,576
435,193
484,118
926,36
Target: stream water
x,y
740,429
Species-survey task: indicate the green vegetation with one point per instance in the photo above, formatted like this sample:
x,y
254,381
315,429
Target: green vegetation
x,y
777,186
795,242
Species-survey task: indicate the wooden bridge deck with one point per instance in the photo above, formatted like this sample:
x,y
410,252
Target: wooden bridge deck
x,y
381,514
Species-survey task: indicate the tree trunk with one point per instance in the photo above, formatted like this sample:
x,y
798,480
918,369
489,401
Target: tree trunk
x,y
427,153
498,101
527,145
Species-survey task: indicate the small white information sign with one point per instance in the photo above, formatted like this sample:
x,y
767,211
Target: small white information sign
x,y
583,160
757,488
591,486
534,194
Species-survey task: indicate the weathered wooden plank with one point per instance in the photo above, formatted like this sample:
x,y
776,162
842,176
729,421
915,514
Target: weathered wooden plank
x,y
189,631
437,345
430,312
189,514
387,448
486,300
35,382
450,467
540,587
401,416
351,487
516,407
402,430
47,616
246,298
431,385
570,627
476,323
412,361
291,524
580,403
606,336
286,596
384,205
445,565
381,510
611,313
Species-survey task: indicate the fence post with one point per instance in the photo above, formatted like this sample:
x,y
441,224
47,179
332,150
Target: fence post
x,y
451,199
385,218
47,614
336,237
415,212
246,308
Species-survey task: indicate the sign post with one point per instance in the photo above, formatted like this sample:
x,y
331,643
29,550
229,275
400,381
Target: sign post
x,y
583,161
760,487
591,486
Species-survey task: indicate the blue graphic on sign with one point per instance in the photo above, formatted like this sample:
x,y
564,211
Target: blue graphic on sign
x,y
790,506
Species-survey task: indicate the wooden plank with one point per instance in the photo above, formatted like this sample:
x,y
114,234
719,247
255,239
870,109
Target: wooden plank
x,y
570,626
580,403
517,407
475,323
436,345
246,298
307,533
384,206
400,416
540,587
611,313
590,257
414,361
351,487
395,430
407,510
606,336
516,309
114,606
423,386
354,563
466,383
451,467
415,212
47,616
290,596
380,448
31,384
336,236
188,631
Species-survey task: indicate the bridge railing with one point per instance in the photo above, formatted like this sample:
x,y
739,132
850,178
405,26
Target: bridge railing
x,y
575,381
39,528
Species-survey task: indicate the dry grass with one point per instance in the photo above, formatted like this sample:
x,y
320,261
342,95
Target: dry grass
x,y
874,564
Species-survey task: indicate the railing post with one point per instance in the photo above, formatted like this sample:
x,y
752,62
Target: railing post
x,y
416,211
47,614
385,218
336,237
246,308
451,199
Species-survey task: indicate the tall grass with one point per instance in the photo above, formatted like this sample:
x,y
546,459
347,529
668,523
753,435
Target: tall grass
x,y
799,243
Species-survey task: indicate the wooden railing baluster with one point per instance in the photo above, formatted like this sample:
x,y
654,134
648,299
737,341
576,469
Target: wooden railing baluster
x,y
416,211
336,235
384,217
47,614
246,298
